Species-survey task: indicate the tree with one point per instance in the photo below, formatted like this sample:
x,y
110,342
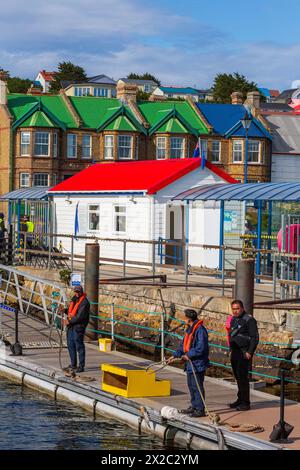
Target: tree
x,y
18,85
67,71
225,84
144,76
142,95
15,84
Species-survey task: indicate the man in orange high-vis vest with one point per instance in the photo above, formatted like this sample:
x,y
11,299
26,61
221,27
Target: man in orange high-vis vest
x,y
194,348
77,320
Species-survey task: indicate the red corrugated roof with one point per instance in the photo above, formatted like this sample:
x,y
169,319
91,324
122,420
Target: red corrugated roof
x,y
145,176
48,76
274,93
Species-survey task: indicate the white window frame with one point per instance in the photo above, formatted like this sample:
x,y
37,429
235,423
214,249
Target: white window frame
x,y
93,211
82,91
235,141
37,133
20,180
55,145
181,149
159,147
87,146
25,144
71,145
117,214
214,152
109,147
256,141
40,185
122,136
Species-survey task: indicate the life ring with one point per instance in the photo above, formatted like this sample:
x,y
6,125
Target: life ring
x,y
296,357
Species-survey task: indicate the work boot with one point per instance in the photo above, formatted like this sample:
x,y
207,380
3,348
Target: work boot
x,y
235,404
187,410
197,414
243,407
69,368
79,369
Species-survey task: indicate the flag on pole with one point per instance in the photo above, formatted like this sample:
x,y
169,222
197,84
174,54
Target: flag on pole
x,y
203,160
76,221
196,151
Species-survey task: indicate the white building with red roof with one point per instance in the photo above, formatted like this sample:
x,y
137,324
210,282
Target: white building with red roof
x,y
44,79
133,201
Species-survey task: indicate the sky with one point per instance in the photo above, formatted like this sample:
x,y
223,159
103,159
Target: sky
x,y
183,43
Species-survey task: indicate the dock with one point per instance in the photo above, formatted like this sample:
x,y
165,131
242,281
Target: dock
x,y
39,369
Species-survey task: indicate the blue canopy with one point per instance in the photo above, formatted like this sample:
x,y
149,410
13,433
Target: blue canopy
x,y
36,193
283,192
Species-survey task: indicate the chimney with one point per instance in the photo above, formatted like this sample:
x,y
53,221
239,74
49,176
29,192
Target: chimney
x,y
3,92
236,97
126,91
253,99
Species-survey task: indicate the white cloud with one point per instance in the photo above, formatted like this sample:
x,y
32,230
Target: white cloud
x,y
119,36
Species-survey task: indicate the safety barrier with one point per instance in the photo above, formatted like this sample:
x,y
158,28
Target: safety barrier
x,y
161,333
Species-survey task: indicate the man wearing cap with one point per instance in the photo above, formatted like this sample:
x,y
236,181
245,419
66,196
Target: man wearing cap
x,y
77,321
193,350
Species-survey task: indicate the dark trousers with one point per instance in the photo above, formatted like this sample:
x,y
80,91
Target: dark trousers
x,y
196,399
240,367
75,340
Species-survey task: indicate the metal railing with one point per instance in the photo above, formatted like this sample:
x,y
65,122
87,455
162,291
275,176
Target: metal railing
x,y
41,295
57,256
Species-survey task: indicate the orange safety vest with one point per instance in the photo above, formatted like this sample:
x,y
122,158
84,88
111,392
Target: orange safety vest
x,y
188,338
73,308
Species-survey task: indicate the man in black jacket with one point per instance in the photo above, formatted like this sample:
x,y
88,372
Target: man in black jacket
x,y
78,318
243,340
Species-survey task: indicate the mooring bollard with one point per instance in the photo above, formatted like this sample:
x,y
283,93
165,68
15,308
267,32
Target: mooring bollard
x,y
16,348
91,284
244,283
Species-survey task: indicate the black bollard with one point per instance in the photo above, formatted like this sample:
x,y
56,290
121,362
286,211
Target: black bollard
x,y
281,430
91,287
16,348
244,283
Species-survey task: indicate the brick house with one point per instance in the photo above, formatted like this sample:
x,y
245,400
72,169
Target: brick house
x,y
46,139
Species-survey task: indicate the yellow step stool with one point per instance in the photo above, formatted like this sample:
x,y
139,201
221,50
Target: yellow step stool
x,y
133,381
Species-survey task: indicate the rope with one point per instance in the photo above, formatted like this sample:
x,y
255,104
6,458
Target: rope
x,y
215,418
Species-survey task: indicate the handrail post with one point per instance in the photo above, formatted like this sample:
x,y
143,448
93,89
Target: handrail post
x,y
223,270
153,259
274,276
112,324
124,258
49,252
25,249
162,338
72,253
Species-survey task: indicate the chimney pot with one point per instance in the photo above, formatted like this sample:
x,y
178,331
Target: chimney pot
x,y
253,99
3,92
126,91
236,97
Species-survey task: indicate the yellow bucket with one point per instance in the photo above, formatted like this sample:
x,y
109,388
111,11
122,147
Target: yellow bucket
x,y
105,345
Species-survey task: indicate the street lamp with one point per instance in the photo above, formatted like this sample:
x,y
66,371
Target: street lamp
x,y
246,122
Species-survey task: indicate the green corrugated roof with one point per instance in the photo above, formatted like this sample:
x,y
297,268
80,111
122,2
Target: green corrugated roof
x,y
121,123
38,119
173,126
20,104
94,112
155,111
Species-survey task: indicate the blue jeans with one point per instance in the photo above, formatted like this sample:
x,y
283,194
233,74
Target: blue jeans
x,y
196,399
75,337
